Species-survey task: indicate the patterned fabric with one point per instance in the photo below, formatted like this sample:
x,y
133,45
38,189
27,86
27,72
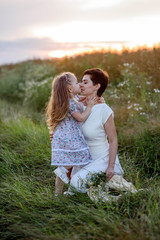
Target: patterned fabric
x,y
68,144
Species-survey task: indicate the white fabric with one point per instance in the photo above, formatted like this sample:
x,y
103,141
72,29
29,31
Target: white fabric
x,y
119,183
95,136
116,182
82,174
93,130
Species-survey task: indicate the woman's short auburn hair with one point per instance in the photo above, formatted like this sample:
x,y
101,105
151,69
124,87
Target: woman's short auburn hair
x,y
98,76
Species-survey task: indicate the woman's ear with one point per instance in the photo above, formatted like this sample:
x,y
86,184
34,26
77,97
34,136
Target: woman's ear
x,y
98,85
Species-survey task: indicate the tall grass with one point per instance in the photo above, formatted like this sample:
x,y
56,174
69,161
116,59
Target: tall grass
x,y
28,208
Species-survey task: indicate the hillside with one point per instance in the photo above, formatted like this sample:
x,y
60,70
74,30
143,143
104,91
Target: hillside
x,y
29,210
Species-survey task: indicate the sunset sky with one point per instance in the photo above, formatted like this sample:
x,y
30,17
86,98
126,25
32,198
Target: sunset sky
x,y
53,28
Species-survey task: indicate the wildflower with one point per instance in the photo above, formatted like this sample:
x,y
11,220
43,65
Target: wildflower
x,y
115,96
126,64
156,90
122,83
153,104
148,83
129,107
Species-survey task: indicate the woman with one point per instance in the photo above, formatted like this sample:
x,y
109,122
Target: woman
x,y
96,129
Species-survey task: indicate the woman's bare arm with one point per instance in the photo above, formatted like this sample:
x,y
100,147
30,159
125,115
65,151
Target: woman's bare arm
x,y
113,146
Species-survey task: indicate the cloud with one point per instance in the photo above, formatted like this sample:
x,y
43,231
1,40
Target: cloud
x,y
29,48
18,17
22,49
37,44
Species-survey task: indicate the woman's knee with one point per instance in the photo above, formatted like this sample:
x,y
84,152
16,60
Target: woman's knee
x,y
74,180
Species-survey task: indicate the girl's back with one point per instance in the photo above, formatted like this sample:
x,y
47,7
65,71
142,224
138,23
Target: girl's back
x,y
68,144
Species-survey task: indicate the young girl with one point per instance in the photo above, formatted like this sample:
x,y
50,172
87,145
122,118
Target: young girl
x,y
65,113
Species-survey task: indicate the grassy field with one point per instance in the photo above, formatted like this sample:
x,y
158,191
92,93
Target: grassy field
x,y
29,210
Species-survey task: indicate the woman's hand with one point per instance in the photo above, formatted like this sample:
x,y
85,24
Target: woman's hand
x,y
83,100
109,173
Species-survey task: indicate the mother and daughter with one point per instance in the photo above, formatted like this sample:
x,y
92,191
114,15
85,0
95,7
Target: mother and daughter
x,y
83,135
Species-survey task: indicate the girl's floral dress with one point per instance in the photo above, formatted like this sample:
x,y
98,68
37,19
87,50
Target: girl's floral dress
x,y
69,147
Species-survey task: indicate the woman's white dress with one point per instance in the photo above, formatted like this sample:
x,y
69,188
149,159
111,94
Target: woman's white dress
x,y
96,138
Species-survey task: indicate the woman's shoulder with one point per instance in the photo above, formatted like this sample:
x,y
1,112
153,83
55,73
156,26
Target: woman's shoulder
x,y
106,112
104,107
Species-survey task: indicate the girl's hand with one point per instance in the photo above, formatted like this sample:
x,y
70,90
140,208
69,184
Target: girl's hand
x,y
82,98
92,101
100,100
51,136
109,173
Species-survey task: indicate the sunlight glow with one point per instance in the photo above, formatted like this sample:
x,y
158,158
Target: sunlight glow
x,y
90,4
100,47
63,53
133,31
88,36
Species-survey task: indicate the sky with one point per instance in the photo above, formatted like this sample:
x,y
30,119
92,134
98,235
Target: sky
x,y
32,29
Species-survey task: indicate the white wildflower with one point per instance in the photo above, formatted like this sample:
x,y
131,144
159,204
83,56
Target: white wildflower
x,y
126,64
148,83
138,108
153,104
156,90
115,96
121,84
129,107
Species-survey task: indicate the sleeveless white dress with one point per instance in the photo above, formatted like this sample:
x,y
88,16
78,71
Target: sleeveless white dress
x,y
96,139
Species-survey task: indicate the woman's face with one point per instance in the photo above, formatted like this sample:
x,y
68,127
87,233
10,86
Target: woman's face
x,y
87,87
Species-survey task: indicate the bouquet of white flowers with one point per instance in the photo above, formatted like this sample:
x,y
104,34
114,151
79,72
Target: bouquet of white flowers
x,y
99,189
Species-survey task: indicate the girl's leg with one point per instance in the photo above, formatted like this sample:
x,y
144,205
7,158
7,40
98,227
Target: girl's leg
x,y
58,186
61,172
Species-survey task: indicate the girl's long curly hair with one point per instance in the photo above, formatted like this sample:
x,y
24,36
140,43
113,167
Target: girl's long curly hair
x,y
59,101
